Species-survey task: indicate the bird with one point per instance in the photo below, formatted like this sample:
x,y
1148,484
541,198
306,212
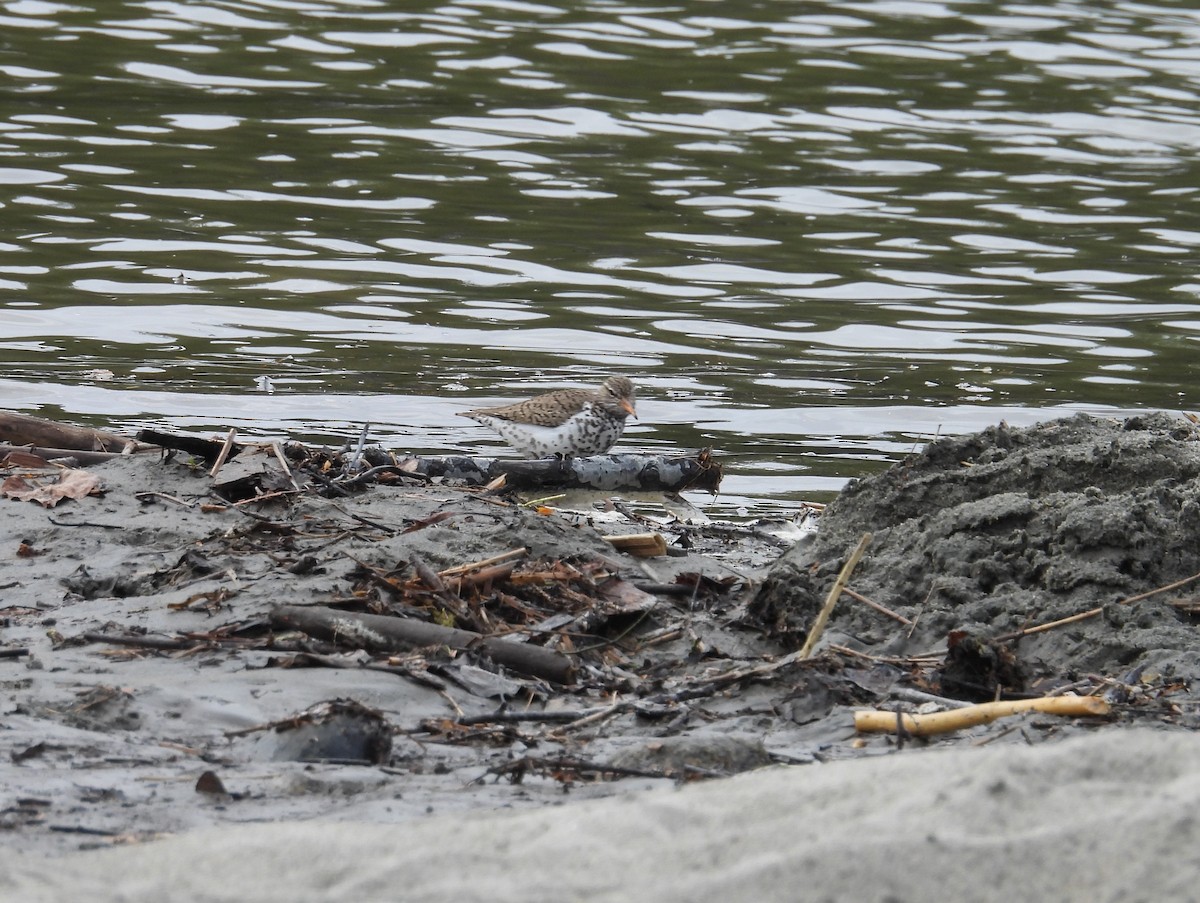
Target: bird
x,y
567,423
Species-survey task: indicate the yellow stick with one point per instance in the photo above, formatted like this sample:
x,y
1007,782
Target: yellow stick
x,y
836,590
984,713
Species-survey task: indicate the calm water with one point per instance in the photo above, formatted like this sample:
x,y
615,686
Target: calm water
x,y
815,234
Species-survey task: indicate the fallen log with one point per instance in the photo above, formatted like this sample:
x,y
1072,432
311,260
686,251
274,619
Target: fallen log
x,y
388,633
50,437
208,449
605,473
651,473
56,454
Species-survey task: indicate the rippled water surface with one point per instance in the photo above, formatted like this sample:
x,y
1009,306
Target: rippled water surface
x,y
815,234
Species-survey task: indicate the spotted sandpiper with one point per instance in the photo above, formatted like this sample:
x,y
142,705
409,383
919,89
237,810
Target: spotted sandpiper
x,y
569,422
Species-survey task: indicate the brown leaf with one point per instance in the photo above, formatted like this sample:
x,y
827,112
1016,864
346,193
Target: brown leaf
x,y
24,459
427,522
71,484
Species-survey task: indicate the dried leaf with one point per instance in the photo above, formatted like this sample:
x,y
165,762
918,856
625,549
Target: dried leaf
x,y
24,459
427,522
71,484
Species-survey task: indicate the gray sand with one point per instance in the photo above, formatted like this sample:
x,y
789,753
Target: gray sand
x,y
1103,818
101,747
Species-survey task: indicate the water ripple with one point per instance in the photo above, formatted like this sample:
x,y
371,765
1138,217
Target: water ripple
x,y
812,235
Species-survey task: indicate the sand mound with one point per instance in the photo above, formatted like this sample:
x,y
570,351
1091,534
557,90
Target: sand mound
x,y
1010,528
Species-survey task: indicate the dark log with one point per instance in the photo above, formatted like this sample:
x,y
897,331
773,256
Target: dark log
x,y
651,473
385,633
23,430
208,449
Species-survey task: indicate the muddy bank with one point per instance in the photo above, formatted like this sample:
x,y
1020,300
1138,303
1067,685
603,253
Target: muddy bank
x,y
1003,531
149,690
151,687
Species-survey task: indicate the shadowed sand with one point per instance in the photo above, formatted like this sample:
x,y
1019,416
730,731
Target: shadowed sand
x,y
1103,817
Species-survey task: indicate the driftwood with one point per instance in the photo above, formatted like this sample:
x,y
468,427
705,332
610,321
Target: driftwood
x,y
652,473
50,440
605,473
983,713
208,449
58,454
386,633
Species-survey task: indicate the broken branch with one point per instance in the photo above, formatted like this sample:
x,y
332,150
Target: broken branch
x,y
384,633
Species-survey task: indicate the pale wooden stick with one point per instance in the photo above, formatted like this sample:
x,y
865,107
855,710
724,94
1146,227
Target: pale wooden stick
x,y
225,449
1162,589
882,609
928,657
278,451
1050,625
836,590
598,715
487,562
1091,613
984,713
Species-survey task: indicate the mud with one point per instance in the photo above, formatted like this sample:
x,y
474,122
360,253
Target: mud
x,y
1001,531
103,743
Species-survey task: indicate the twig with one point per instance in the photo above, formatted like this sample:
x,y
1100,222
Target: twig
x,y
145,496
368,475
85,523
518,717
631,515
143,642
482,576
454,705
835,591
1050,625
362,520
1161,589
505,556
1004,733
543,502
887,659
921,608
225,449
353,464
278,451
593,717
920,697
516,769
882,609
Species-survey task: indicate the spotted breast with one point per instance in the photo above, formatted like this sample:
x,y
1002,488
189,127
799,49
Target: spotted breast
x,y
569,422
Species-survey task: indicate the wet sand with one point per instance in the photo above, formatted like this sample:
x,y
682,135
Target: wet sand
x,y
106,747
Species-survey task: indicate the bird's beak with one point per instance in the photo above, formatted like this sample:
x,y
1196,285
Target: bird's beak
x,y
627,405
